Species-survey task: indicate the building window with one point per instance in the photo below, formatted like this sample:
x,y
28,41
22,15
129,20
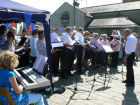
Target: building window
x,y
65,20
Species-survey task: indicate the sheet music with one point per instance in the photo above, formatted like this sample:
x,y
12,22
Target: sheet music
x,y
107,48
19,49
93,46
59,44
40,63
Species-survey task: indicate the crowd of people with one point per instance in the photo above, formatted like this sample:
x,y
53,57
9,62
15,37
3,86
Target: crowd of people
x,y
10,58
83,47
88,50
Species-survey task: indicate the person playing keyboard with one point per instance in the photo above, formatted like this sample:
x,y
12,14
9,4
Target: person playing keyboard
x,y
8,62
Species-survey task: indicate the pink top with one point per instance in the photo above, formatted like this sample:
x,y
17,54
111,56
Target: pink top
x,y
97,43
105,42
117,43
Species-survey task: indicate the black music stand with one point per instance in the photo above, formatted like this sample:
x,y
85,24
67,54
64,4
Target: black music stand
x,y
75,88
109,50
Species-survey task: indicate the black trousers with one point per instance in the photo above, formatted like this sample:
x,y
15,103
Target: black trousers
x,y
24,59
67,61
80,53
130,72
55,62
114,61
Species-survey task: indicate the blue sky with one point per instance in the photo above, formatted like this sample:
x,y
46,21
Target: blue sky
x,y
52,5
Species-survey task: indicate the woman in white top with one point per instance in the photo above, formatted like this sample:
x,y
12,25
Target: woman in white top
x,y
104,54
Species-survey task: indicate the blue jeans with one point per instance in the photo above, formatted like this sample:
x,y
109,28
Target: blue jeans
x,y
37,99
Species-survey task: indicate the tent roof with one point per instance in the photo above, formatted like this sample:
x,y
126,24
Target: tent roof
x,y
8,5
112,22
13,11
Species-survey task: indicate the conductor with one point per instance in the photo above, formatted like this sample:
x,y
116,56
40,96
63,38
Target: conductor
x,y
129,57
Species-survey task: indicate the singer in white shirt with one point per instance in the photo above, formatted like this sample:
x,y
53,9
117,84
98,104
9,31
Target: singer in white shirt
x,y
55,36
129,57
67,54
56,53
79,38
79,49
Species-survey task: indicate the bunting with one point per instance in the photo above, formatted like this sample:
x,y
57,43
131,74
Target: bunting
x,y
27,17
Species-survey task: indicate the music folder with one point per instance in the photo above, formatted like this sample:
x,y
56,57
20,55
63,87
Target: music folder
x,y
107,48
57,45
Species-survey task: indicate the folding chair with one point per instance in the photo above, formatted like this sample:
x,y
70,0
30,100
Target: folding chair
x,y
4,92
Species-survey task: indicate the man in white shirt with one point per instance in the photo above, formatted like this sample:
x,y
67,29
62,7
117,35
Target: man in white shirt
x,y
67,54
55,36
56,55
130,48
79,49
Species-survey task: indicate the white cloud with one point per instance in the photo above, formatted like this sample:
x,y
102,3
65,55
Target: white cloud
x,y
52,5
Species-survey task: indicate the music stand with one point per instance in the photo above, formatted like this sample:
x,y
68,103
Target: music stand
x,y
57,44
108,49
75,88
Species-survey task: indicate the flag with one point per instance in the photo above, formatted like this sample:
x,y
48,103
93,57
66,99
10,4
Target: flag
x,y
33,25
6,25
13,23
29,30
62,30
77,29
27,17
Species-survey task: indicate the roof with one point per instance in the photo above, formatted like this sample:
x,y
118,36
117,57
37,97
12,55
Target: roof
x,y
87,14
113,7
79,9
8,5
13,11
112,22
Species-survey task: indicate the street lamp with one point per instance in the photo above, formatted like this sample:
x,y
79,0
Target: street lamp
x,y
75,4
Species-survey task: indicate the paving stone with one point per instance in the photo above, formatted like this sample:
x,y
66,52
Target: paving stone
x,y
113,93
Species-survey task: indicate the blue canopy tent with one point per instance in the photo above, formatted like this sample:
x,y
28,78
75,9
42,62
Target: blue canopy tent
x,y
12,11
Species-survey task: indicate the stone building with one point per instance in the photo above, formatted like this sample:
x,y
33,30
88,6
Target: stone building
x,y
101,19
64,16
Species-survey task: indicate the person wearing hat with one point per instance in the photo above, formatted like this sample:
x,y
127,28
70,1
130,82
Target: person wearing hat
x,y
115,44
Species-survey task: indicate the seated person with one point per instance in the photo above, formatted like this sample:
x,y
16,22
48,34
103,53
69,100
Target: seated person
x,y
8,62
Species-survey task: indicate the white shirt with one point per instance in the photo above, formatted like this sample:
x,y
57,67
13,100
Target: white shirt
x,y
79,38
130,44
66,39
55,37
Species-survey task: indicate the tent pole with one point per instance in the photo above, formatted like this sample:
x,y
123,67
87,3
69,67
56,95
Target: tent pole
x,y
49,48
